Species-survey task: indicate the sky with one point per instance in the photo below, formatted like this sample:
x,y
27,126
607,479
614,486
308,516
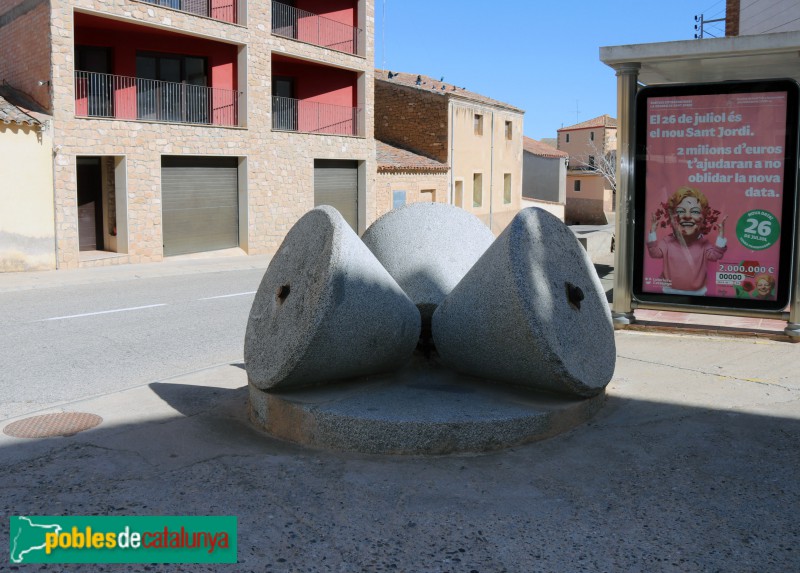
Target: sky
x,y
540,56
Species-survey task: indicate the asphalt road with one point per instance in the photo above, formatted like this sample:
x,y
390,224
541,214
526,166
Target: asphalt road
x,y
63,341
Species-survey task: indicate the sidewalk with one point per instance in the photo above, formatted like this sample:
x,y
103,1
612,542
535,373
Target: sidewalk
x,y
233,259
689,466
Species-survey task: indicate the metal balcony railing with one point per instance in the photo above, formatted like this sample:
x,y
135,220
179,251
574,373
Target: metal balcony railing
x,y
297,24
123,97
223,10
290,114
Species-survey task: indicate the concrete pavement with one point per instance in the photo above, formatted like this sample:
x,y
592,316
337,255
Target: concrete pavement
x,y
690,466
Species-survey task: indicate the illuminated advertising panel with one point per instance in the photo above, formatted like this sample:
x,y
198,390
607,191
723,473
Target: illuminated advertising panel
x,y
715,194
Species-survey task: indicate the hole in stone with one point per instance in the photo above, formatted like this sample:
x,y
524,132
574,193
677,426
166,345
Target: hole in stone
x,y
283,292
574,295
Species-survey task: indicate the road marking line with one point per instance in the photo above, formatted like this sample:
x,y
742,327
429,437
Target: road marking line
x,y
227,295
101,312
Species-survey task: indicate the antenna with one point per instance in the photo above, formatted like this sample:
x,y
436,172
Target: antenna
x,y
577,112
383,36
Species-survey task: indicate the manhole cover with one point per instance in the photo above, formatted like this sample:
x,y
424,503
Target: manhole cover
x,y
50,425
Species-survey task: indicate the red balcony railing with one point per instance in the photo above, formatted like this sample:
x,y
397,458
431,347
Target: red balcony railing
x,y
297,24
123,97
223,10
290,114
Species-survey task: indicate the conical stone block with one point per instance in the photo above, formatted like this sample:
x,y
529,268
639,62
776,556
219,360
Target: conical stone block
x,y
428,248
326,310
530,312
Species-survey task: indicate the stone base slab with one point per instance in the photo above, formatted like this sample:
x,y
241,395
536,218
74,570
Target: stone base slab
x,y
417,410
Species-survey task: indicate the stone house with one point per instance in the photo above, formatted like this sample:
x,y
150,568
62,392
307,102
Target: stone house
x,y
27,239
544,176
182,127
591,145
405,177
479,138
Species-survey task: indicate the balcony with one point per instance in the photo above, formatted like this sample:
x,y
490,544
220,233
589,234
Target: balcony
x,y
291,22
303,116
222,10
129,98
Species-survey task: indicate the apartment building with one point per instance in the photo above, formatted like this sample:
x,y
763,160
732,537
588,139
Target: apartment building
x,y
591,146
182,126
479,138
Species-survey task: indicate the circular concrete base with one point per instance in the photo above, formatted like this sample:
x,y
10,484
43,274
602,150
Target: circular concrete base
x,y
420,409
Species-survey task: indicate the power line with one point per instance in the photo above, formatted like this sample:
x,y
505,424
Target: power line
x,y
780,25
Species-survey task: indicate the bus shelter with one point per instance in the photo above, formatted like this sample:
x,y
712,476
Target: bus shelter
x,y
718,61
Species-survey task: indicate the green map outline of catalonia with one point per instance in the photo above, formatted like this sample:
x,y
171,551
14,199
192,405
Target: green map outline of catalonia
x,y
19,557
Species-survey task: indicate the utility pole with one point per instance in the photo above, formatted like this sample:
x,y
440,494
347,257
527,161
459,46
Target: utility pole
x,y
699,27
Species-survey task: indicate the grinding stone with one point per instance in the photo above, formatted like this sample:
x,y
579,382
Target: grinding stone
x,y
326,310
428,248
518,317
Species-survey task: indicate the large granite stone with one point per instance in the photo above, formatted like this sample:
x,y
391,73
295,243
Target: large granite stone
x,y
326,310
531,312
428,248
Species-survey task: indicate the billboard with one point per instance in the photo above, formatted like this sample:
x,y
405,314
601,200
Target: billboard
x,y
715,194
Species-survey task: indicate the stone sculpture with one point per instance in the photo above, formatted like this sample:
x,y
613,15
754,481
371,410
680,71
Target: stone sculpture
x,y
326,310
529,312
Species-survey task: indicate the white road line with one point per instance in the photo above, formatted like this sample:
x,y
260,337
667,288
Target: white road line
x,y
101,312
227,295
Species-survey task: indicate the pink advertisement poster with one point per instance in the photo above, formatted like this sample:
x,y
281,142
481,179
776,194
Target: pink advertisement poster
x,y
715,182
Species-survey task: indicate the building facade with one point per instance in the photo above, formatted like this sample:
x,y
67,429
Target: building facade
x,y
480,139
27,236
182,127
544,175
405,177
591,146
751,17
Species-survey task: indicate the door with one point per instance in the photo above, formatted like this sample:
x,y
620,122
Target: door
x,y
94,93
284,104
200,204
90,204
336,184
171,87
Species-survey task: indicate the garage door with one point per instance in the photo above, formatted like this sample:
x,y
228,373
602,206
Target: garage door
x,y
336,184
200,204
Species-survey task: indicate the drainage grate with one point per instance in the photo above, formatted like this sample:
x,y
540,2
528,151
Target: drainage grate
x,y
51,425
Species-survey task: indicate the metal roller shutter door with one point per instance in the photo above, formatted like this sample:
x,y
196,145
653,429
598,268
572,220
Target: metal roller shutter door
x,y
200,204
336,184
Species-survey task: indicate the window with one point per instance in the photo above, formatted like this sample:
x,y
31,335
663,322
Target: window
x,y
509,130
459,198
477,189
428,195
398,199
591,136
507,188
591,161
567,136
577,185
478,124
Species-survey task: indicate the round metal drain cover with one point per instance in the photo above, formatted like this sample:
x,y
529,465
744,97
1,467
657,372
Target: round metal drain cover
x,y
51,425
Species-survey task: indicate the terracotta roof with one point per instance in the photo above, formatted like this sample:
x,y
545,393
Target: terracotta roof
x,y
600,121
541,149
391,158
16,107
435,86
9,113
